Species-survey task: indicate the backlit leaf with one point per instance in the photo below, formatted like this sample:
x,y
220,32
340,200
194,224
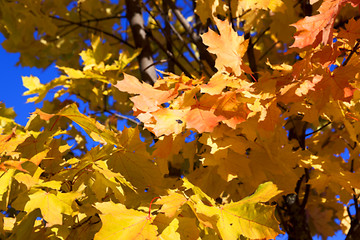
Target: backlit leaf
x,y
121,223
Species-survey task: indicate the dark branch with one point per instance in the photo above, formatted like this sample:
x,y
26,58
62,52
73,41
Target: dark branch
x,y
351,53
95,29
319,129
204,54
251,57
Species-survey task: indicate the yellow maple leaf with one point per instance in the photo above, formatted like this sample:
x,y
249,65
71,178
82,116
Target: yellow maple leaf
x,y
164,121
52,206
118,222
171,203
242,218
231,55
170,232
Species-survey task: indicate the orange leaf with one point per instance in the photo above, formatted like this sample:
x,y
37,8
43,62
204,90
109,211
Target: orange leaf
x,y
12,164
319,28
149,98
229,47
43,115
230,108
202,120
351,32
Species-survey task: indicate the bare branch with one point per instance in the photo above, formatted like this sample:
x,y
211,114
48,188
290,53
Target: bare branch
x,y
136,20
355,48
251,56
169,54
319,129
204,54
95,29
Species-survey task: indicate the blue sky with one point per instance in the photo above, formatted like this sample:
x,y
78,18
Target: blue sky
x,y
11,89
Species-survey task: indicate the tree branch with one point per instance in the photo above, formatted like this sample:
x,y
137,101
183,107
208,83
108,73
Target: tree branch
x,y
204,54
167,34
319,129
94,20
177,34
251,57
169,54
95,29
136,20
351,53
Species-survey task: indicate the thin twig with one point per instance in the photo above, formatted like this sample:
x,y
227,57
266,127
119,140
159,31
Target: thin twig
x,y
251,56
195,37
177,34
167,34
349,213
260,35
169,54
230,16
93,20
95,29
137,122
351,53
179,50
298,184
306,197
282,221
157,62
319,129
356,204
267,51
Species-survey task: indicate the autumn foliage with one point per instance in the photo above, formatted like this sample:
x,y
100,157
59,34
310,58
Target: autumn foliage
x,y
240,136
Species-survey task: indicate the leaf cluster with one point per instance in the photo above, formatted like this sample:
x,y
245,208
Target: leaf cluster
x,y
238,135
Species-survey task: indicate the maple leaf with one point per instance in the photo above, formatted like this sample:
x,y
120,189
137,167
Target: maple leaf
x,y
319,28
6,179
243,138
351,33
118,222
231,108
25,228
230,56
229,164
43,115
95,130
171,203
134,162
149,98
164,121
33,84
52,205
170,232
216,84
202,120
239,218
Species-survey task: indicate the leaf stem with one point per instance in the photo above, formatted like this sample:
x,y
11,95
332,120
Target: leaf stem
x,y
149,216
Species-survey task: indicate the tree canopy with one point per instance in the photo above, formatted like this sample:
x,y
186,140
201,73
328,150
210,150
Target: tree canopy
x,y
236,114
